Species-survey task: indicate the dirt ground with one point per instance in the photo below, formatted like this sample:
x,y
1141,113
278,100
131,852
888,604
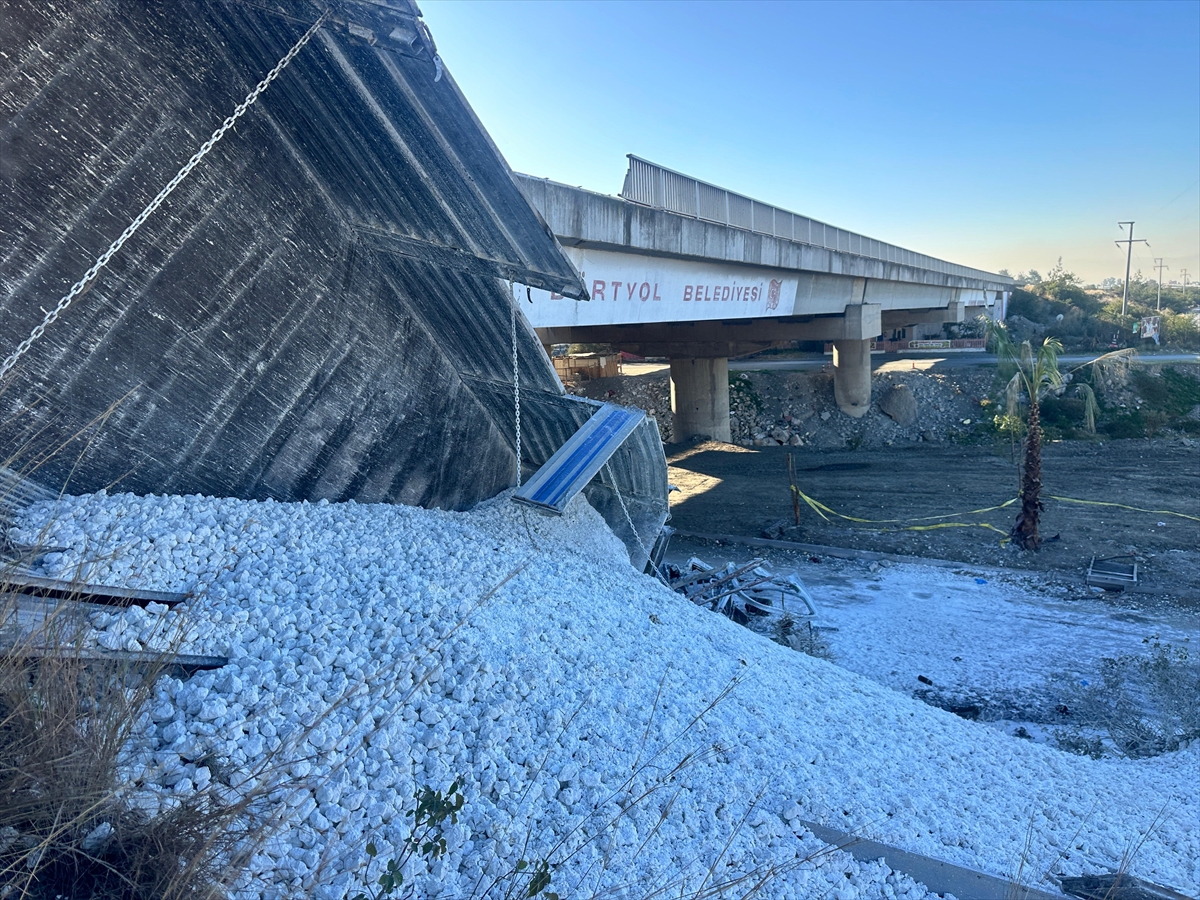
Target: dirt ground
x,y
735,490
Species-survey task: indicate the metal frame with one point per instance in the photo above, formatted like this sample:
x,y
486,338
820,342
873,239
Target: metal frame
x,y
1111,575
576,462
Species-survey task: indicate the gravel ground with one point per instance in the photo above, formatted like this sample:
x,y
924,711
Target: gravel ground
x,y
575,688
946,461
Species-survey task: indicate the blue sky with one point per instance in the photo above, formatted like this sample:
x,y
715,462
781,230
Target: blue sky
x,y
999,135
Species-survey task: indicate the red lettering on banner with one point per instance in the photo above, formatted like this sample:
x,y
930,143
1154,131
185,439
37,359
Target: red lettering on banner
x,y
597,290
644,291
726,292
755,292
632,286
616,285
656,297
707,293
687,293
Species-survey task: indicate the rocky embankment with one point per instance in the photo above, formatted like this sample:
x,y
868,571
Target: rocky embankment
x,y
770,408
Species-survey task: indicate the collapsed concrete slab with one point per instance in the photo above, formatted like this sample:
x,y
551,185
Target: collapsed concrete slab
x,y
321,311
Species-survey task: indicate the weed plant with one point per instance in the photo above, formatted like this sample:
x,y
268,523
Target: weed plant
x,y
532,874
801,637
1141,705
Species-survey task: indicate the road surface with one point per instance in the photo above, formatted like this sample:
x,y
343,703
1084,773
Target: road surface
x,y
894,361
897,362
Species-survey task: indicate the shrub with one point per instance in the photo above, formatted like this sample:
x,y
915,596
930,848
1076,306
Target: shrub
x,y
1180,330
1171,392
1064,413
1168,399
1144,703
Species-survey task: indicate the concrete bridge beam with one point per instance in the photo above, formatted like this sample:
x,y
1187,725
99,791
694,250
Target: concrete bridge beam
x,y
700,397
906,318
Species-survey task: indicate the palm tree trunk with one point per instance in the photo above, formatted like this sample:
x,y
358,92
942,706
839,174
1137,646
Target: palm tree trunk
x,y
1025,531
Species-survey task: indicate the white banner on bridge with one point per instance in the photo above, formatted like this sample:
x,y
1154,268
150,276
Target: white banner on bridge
x,y
629,289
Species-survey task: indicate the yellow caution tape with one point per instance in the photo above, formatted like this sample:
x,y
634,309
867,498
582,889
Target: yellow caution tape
x,y
821,509
953,525
1158,512
825,512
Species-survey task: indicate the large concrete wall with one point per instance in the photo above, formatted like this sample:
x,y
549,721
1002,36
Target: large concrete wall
x,y
320,311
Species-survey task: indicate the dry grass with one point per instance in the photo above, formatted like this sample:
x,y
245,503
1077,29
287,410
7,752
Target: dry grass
x,y
68,825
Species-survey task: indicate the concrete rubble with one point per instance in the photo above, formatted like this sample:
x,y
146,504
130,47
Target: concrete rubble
x,y
797,409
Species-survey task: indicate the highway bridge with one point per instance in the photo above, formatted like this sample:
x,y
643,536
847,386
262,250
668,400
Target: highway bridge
x,y
683,269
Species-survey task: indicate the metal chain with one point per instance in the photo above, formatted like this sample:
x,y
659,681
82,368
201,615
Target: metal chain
x,y
91,274
512,296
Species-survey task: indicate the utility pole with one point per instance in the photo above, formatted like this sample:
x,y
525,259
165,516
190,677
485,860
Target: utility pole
x,y
1184,273
1128,259
1158,264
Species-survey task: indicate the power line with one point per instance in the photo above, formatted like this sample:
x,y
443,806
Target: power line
x,y
1128,259
1158,264
1177,196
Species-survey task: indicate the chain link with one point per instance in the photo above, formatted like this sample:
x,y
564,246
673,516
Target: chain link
x,y
512,296
91,274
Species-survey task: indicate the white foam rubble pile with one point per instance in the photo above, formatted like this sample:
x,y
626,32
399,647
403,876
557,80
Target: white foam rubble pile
x,y
559,700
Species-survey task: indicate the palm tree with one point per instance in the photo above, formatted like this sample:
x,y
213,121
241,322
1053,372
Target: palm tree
x,y
1037,375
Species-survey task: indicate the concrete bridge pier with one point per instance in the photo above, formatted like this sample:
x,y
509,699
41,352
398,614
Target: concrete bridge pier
x,y
700,397
852,377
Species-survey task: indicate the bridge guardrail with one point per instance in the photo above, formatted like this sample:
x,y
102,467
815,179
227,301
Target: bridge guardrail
x,y
658,187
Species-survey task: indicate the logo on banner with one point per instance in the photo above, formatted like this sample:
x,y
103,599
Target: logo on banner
x,y
773,294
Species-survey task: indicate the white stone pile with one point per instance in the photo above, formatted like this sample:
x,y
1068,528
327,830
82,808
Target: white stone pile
x,y
363,661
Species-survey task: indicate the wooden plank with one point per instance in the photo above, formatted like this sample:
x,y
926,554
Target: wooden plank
x,y
174,664
57,589
939,876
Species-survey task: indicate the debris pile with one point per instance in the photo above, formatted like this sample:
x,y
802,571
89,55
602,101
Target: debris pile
x,y
740,592
797,409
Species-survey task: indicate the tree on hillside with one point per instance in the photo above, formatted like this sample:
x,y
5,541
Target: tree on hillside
x,y
1036,376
